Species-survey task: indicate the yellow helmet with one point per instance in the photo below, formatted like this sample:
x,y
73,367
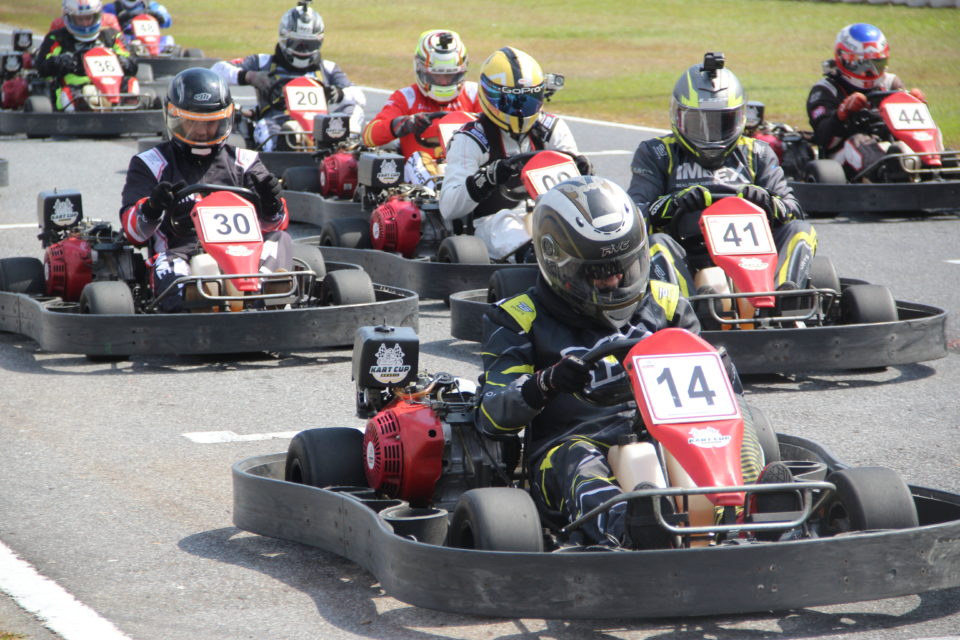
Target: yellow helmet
x,y
511,90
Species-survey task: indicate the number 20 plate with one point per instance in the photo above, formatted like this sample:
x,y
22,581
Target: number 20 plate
x,y
681,388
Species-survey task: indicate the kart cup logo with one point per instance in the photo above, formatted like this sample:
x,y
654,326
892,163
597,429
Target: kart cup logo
x,y
389,172
12,62
390,366
238,250
64,213
752,264
707,438
336,128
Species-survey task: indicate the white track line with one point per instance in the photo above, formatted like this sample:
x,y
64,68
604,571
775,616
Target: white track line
x,y
19,225
217,437
55,607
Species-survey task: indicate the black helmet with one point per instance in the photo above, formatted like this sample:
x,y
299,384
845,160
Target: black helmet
x,y
591,247
708,110
199,109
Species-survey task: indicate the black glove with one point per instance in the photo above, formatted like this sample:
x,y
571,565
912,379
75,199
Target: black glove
x,y
161,198
128,64
765,200
268,188
416,123
695,198
570,375
67,62
584,166
333,94
259,80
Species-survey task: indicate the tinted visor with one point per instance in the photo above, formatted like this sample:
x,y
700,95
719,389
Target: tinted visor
x,y
442,79
866,67
199,129
705,128
608,283
303,47
520,102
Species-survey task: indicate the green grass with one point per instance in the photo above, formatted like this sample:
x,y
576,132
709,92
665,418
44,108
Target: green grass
x,y
620,58
11,636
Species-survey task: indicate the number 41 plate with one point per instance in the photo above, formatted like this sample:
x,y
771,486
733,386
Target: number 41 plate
x,y
690,387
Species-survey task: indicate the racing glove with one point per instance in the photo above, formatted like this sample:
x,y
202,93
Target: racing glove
x,y
584,166
765,200
480,184
415,123
268,188
689,200
67,62
259,80
161,198
918,94
333,94
854,102
569,375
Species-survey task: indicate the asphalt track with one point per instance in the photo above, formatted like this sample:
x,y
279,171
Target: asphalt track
x,y
116,485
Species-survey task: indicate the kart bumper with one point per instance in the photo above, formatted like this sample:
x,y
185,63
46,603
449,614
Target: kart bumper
x,y
877,198
113,123
313,208
678,582
172,65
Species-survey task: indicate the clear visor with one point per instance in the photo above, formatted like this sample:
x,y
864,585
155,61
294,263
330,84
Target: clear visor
x,y
608,283
200,129
520,102
706,128
83,22
302,47
442,78
864,67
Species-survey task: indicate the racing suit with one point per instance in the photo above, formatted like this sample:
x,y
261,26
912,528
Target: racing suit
x,y
567,439
845,142
662,167
173,240
124,15
68,81
271,107
498,218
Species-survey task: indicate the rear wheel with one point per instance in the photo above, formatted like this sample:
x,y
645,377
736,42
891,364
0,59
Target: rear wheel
x,y
38,104
193,53
824,171
496,519
351,233
302,179
347,286
310,257
765,435
107,297
21,275
326,457
869,498
867,303
463,250
144,73
823,275
505,283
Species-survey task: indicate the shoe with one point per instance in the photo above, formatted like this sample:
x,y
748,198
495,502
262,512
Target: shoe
x,y
791,305
642,529
776,473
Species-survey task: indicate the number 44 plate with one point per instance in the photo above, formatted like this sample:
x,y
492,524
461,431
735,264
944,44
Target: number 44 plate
x,y
685,387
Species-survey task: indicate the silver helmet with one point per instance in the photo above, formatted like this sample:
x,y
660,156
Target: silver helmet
x,y
300,36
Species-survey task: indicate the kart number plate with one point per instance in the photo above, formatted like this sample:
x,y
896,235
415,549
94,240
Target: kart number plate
x,y
545,178
905,116
146,27
304,97
739,234
682,388
229,224
99,66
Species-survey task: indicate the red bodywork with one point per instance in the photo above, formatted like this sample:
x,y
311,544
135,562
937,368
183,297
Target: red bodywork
x,y
305,99
712,460
546,169
443,128
751,269
103,68
146,29
395,226
403,451
68,268
338,175
234,244
909,121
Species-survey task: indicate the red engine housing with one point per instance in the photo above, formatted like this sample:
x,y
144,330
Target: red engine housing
x,y
338,175
15,92
68,268
395,226
774,142
403,450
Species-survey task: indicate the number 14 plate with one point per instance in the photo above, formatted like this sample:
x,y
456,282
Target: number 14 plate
x,y
688,387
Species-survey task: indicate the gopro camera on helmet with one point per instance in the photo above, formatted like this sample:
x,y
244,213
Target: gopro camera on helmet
x,y
713,61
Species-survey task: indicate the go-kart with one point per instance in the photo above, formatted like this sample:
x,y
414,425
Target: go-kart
x,y
109,104
159,52
92,293
441,515
826,323
915,174
16,70
404,239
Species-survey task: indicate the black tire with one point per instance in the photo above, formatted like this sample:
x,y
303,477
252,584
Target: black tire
x,y
496,519
505,283
21,275
766,436
823,275
326,457
38,104
302,179
824,172
351,233
193,53
347,286
107,297
312,258
869,498
463,250
144,73
867,303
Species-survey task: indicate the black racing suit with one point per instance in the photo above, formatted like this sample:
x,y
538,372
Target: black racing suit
x,y
173,240
60,41
850,142
662,167
567,439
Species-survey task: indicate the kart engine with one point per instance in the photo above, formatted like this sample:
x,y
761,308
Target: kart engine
x,y
420,442
395,226
68,267
338,175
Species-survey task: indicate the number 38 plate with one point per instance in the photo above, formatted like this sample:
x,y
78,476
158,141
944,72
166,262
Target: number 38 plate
x,y
689,387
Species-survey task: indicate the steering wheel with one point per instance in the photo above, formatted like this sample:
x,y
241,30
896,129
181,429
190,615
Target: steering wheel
x,y
686,226
617,392
182,225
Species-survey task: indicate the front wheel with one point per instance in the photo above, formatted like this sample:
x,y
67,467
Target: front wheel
x,y
869,498
350,233
496,519
347,286
326,457
463,250
505,283
302,179
310,257
107,297
824,171
866,304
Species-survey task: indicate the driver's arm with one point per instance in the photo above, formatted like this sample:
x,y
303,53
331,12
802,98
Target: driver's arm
x,y
378,131
649,178
464,159
136,191
161,14
231,70
770,176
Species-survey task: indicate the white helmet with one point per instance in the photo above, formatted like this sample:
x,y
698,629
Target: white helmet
x,y
301,34
82,18
440,62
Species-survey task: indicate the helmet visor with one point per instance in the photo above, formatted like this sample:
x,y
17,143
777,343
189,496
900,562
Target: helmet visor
x,y
302,47
521,102
83,24
443,78
864,67
609,283
710,128
199,129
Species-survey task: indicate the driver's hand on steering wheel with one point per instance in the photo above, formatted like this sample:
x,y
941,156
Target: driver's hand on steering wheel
x,y
259,80
759,196
569,375
689,200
